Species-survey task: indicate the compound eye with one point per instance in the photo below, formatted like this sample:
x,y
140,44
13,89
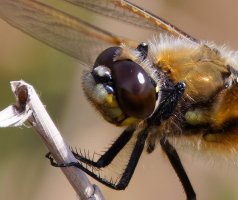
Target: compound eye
x,y
134,90
106,58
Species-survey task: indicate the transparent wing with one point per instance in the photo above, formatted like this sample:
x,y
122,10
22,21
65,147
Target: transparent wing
x,y
74,36
58,29
127,12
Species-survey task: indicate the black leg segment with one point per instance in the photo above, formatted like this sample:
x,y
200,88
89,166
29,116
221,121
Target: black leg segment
x,y
112,152
178,167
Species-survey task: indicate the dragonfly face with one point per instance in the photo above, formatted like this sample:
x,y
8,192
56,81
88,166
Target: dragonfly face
x,y
157,90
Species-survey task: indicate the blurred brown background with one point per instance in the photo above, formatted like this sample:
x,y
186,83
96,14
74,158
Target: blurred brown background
x,y
24,172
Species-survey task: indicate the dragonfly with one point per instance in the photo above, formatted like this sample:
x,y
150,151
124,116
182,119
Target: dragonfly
x,y
155,89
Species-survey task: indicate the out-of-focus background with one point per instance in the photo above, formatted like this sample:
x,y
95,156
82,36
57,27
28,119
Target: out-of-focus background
x,y
24,172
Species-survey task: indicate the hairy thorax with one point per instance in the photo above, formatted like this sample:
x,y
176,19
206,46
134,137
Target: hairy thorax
x,y
207,115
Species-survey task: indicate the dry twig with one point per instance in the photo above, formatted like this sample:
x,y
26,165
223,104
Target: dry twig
x,y
29,108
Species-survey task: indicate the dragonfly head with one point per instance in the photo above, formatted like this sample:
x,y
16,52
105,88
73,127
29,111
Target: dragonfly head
x,y
119,86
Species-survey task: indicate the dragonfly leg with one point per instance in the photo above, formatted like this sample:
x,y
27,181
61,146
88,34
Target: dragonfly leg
x,y
178,167
107,158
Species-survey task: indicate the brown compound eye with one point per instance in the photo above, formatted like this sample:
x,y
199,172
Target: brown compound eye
x,y
132,86
106,58
134,89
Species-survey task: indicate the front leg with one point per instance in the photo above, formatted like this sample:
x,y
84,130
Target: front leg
x,y
112,152
127,173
